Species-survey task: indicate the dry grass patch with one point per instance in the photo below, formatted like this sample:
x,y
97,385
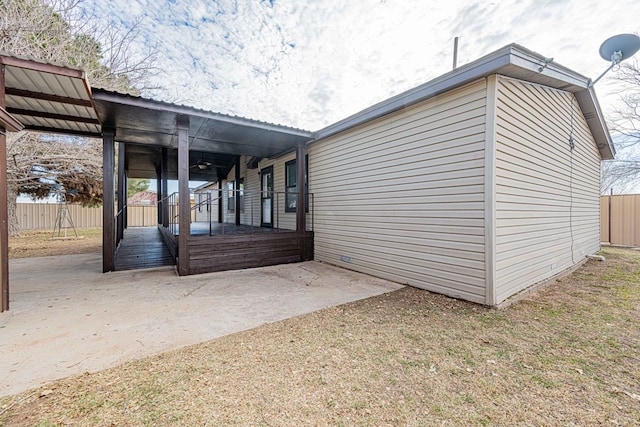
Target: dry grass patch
x,y
35,243
567,355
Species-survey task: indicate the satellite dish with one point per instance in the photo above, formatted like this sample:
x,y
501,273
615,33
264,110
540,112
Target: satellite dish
x,y
620,47
617,49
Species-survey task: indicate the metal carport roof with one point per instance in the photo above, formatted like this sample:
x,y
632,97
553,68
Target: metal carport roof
x,y
48,97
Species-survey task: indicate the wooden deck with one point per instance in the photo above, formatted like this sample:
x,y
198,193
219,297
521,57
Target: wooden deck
x,y
247,250
239,247
142,247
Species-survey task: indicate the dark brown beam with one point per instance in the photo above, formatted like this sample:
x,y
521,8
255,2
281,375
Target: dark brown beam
x,y
301,215
184,200
53,116
237,191
108,190
48,97
43,68
8,122
159,194
64,131
4,216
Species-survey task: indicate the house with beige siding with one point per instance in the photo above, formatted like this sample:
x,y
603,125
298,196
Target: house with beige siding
x,y
478,184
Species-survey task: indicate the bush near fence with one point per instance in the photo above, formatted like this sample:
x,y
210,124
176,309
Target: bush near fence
x,y
42,216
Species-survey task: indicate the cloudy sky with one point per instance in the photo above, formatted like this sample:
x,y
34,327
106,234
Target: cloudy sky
x,y
309,63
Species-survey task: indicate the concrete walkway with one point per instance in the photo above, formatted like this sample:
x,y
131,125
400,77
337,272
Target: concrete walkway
x,y
67,317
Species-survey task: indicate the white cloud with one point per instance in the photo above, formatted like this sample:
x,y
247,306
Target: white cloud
x,y
311,63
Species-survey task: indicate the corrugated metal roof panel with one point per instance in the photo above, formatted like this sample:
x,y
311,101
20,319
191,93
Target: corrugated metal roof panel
x,y
50,97
187,109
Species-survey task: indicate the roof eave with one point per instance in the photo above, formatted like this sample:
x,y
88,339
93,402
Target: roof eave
x,y
178,110
513,61
595,120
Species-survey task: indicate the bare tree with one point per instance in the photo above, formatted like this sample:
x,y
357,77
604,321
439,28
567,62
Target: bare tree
x,y
623,173
619,176
39,164
61,31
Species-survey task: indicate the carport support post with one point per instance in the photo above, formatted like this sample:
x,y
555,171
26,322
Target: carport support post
x,y
4,215
184,199
108,190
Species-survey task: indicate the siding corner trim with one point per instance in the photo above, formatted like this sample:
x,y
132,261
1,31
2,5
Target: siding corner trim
x,y
490,190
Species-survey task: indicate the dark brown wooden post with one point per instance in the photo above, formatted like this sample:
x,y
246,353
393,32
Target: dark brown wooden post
x,y
220,204
164,168
122,192
108,190
237,190
125,219
159,194
184,203
4,215
301,216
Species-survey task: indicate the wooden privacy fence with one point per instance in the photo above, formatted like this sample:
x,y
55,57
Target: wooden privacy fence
x,y
620,219
142,215
42,216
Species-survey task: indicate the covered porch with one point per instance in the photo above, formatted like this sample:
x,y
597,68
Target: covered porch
x,y
148,139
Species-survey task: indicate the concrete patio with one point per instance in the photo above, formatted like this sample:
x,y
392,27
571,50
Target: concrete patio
x,y
67,317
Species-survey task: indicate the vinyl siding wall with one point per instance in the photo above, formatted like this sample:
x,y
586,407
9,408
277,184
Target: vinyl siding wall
x,y
547,196
201,213
251,195
281,219
402,197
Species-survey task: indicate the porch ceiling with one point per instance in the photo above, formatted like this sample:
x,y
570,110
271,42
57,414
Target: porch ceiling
x,y
151,125
142,161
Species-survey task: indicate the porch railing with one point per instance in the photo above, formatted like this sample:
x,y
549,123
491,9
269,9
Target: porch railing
x,y
251,205
168,212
